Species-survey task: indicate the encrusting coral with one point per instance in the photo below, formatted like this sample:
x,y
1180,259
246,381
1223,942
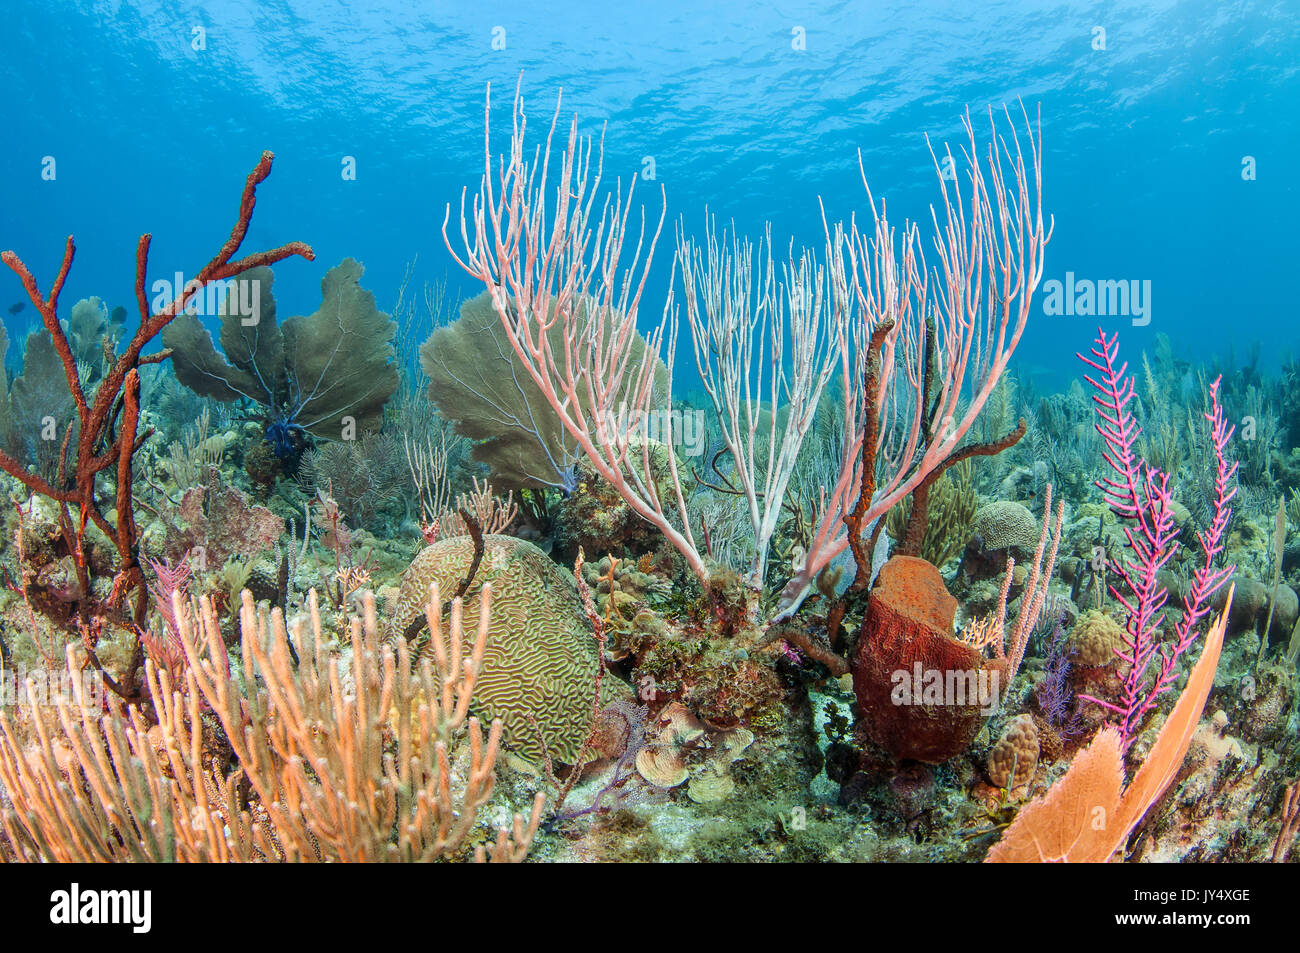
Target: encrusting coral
x,y
214,521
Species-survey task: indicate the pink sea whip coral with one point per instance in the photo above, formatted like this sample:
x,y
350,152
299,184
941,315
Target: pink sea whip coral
x,y
171,580
1139,493
929,344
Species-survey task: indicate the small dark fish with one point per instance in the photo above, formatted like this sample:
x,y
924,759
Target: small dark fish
x,y
17,306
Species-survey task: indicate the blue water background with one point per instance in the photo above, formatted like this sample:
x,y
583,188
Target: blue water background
x,y
1144,141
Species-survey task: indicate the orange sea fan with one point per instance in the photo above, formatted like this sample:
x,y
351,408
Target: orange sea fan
x,y
1088,814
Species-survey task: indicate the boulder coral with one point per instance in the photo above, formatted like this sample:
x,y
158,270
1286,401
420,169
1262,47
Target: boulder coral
x,y
1013,760
539,668
1095,639
998,529
1004,525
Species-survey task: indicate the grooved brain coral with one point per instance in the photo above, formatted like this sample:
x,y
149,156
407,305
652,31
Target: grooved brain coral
x,y
1005,524
541,655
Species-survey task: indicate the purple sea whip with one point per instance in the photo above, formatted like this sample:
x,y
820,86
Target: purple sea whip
x,y
1139,493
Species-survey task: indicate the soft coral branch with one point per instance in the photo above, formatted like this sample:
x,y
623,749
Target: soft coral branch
x,y
1139,493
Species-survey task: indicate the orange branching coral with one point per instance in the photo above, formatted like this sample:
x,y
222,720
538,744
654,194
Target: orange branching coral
x,y
1290,822
981,633
1088,814
367,756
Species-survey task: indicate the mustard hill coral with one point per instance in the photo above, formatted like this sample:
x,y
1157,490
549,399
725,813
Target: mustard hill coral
x,y
1094,639
1013,760
630,588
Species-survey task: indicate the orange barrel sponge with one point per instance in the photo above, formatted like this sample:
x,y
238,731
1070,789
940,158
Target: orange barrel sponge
x,y
922,693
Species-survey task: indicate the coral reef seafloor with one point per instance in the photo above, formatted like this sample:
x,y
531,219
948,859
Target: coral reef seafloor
x,y
357,611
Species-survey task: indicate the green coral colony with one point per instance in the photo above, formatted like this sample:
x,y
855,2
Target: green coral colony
x,y
502,568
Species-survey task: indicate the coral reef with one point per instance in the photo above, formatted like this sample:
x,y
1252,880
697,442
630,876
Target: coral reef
x,y
814,625
296,790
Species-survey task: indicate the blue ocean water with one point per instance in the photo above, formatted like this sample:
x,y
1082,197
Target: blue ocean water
x,y
1170,131
752,110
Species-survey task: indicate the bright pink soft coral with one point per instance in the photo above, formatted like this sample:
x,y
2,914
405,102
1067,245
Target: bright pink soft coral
x,y
1140,494
167,651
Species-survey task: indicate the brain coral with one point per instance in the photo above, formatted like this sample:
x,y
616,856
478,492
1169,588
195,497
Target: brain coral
x,y
1095,637
540,659
1004,524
